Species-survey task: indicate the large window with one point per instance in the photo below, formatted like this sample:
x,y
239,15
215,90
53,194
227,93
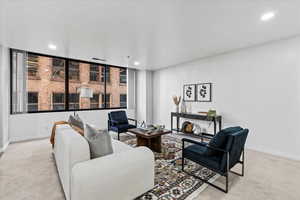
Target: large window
x,y
32,66
123,76
74,101
123,100
116,88
89,73
43,83
58,101
94,101
74,72
94,72
33,101
58,69
106,100
106,78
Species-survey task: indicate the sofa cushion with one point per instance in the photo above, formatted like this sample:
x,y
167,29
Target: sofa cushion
x,y
197,154
99,141
219,140
76,121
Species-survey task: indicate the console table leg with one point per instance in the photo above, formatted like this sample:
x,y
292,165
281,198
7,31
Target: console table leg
x,y
178,124
215,127
171,123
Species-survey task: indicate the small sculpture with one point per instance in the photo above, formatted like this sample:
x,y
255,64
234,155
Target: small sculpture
x,y
197,129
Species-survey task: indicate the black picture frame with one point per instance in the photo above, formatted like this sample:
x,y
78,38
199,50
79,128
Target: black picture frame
x,y
193,95
207,96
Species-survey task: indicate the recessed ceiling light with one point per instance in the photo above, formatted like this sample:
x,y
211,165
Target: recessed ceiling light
x,y
267,16
136,63
52,46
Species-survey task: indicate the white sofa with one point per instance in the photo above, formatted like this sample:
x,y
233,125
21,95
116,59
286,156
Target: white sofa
x,y
123,175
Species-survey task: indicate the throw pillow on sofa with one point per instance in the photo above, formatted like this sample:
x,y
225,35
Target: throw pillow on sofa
x,y
99,141
76,121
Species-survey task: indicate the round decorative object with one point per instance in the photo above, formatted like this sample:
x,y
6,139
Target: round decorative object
x,y
187,127
197,129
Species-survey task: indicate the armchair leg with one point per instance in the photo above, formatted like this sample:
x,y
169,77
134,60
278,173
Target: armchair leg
x,y
182,163
209,183
242,162
118,136
226,190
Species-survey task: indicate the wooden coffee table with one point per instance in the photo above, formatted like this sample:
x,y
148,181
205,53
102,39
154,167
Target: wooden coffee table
x,y
150,139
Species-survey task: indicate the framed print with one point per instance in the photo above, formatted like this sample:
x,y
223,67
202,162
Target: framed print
x,y
204,92
189,92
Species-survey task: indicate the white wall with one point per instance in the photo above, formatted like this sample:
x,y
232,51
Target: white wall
x,y
257,88
4,97
39,125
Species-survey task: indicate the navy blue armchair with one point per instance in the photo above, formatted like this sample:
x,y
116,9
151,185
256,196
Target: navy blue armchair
x,y
118,122
224,151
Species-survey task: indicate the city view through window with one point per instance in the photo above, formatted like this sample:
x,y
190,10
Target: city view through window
x,y
45,86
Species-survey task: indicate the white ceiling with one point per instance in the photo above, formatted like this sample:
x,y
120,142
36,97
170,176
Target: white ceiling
x,y
157,33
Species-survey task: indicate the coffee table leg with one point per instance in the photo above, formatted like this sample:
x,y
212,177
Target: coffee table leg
x,y
153,143
142,142
156,144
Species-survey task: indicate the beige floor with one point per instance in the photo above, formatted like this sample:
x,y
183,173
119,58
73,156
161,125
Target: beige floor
x,y
27,172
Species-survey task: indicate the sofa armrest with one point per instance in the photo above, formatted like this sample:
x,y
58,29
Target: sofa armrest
x,y
119,176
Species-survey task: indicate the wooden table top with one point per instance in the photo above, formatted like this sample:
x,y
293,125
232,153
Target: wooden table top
x,y
148,133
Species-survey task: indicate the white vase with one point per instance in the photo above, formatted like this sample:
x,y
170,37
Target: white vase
x,y
177,108
183,107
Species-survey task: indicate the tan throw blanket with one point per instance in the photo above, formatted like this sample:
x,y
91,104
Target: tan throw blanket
x,y
52,138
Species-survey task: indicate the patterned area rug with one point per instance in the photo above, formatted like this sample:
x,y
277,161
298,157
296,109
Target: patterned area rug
x,y
170,182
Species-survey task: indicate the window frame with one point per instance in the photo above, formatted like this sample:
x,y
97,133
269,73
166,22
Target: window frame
x,y
67,80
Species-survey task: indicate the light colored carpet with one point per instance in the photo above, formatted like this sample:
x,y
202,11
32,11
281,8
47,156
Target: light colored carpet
x,y
27,172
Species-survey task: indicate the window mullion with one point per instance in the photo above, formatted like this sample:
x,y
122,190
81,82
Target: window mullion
x,y
105,101
67,84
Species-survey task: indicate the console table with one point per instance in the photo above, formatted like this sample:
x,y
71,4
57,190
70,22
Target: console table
x,y
216,120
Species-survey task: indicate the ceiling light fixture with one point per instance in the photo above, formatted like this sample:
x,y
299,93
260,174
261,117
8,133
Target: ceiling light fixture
x,y
136,63
267,16
52,46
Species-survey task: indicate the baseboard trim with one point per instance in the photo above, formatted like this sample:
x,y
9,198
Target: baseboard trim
x,y
2,150
275,153
29,140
